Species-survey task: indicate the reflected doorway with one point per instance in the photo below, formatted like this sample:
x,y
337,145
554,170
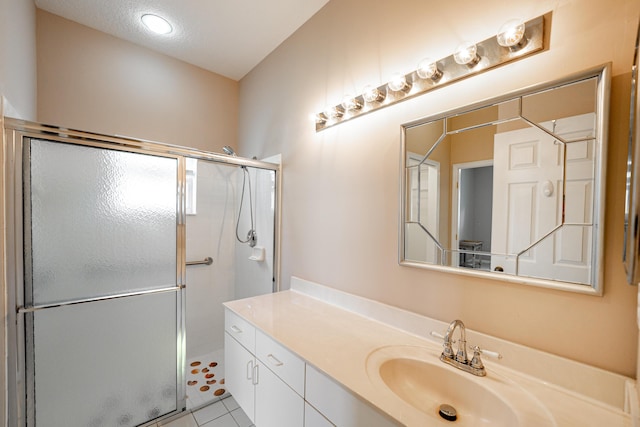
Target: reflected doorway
x,y
471,213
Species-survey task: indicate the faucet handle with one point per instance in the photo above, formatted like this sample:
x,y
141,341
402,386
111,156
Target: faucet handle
x,y
448,351
442,337
436,335
476,362
491,354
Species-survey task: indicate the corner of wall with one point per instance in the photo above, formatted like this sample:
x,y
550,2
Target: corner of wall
x,y
18,58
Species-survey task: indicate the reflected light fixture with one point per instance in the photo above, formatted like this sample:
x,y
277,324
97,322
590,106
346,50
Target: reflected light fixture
x,y
399,83
372,94
428,69
515,40
467,54
156,24
512,34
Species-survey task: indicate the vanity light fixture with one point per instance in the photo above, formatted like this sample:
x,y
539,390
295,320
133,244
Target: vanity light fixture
x,y
350,103
399,83
334,112
320,119
467,54
428,69
512,34
515,40
156,23
373,94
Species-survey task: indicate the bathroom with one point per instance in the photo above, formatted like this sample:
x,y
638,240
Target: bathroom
x,y
340,186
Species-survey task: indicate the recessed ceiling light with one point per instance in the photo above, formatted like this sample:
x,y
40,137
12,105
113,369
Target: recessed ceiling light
x,y
156,24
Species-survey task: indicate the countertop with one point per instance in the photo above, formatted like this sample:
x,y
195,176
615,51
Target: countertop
x,y
338,342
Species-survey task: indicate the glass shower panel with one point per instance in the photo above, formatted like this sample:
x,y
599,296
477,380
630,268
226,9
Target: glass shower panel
x,y
106,363
102,222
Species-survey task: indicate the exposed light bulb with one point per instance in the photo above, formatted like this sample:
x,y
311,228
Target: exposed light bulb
x,y
350,103
512,34
398,83
333,112
467,54
372,94
320,118
156,24
428,69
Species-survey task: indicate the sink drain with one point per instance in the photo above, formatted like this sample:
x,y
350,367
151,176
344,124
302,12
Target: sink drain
x,y
448,412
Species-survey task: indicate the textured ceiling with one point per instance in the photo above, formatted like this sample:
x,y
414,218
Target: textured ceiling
x,y
228,37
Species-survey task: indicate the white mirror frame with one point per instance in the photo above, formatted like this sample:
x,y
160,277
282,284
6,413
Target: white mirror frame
x,y
603,74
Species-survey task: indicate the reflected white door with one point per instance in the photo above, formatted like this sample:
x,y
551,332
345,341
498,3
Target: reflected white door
x,y
528,201
424,208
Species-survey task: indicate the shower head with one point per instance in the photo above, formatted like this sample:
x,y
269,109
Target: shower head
x,y
228,150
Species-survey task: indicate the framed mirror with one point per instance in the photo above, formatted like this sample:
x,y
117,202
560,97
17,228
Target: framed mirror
x,y
512,188
631,249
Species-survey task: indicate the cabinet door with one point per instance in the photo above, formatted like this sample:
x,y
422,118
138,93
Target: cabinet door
x,y
239,367
313,418
277,405
339,405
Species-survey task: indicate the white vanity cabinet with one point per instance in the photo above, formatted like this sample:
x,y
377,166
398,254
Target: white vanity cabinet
x,y
266,379
239,361
276,388
313,418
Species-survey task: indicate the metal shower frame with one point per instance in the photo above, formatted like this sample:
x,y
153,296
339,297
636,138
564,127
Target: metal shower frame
x,y
14,132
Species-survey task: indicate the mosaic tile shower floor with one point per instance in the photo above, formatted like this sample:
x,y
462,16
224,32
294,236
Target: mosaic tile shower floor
x,y
205,379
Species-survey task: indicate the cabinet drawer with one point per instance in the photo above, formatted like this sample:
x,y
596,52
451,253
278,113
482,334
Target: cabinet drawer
x,y
243,331
281,361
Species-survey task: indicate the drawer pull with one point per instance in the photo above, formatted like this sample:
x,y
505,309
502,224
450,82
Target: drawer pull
x,y
255,378
235,329
274,360
249,372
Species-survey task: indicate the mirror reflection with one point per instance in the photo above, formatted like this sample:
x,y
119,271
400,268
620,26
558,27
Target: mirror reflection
x,y
511,188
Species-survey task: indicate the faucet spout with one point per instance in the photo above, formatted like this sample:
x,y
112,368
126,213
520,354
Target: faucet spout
x,y
460,359
461,355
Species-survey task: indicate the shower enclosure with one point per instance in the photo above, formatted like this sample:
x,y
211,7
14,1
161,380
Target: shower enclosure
x,y
219,212
114,317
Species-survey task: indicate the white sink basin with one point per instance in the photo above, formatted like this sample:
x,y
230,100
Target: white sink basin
x,y
420,383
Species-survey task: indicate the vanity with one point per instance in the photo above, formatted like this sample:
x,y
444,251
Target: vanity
x,y
314,356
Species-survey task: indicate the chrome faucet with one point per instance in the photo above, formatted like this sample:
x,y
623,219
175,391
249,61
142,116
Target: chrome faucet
x,y
460,360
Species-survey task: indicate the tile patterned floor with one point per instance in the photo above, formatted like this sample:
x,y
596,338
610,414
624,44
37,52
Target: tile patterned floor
x,y
208,402
222,413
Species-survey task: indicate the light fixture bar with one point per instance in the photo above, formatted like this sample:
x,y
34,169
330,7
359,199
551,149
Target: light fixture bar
x,y
490,55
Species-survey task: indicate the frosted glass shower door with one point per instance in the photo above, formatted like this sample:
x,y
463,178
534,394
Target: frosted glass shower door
x,y
102,295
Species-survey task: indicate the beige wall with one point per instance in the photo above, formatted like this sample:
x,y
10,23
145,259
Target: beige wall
x,y
17,99
92,81
341,186
18,58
